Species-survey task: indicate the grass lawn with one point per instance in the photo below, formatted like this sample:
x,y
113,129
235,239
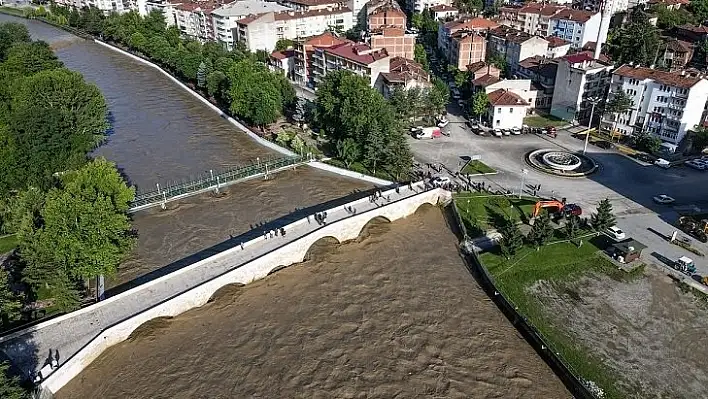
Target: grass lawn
x,y
8,243
476,167
543,121
556,263
481,212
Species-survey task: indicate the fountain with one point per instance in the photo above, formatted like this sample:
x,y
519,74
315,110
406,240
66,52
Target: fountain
x,y
561,163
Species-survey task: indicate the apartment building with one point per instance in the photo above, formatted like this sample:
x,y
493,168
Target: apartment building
x,y
467,48
357,58
420,5
166,7
396,41
283,62
194,20
611,6
579,78
225,18
304,51
443,11
542,73
447,29
312,5
533,18
557,47
515,45
576,26
665,104
677,54
402,74
506,109
262,31
386,17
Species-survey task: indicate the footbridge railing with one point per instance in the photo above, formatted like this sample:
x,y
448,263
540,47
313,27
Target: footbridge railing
x,y
211,182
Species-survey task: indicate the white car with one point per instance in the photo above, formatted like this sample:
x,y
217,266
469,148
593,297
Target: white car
x,y
515,131
615,233
663,199
497,132
506,132
662,163
443,122
441,181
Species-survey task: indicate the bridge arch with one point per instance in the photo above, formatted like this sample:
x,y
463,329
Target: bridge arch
x,y
379,220
320,245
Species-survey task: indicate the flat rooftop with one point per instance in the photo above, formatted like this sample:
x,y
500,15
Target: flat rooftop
x,y
242,8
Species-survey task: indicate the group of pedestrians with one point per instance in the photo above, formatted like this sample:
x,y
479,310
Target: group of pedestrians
x,y
273,233
321,218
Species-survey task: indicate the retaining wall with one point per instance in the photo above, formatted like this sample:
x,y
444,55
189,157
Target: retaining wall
x,y
294,252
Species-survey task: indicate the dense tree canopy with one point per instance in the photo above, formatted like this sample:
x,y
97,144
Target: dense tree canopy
x,y
257,94
637,42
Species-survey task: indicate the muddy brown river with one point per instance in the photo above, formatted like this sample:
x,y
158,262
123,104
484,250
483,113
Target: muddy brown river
x,y
395,314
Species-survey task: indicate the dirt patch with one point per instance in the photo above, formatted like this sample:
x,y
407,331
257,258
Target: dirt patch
x,y
394,315
650,333
151,329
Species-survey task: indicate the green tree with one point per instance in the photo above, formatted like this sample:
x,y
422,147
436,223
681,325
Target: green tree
x,y
29,58
202,75
92,20
619,103
399,158
216,85
10,303
572,226
257,94
479,105
437,97
603,218
374,147
512,239
298,145
420,56
499,61
10,386
699,8
699,138
637,42
400,103
647,142
10,34
348,151
417,20
668,19
284,44
84,231
541,231
138,42
283,139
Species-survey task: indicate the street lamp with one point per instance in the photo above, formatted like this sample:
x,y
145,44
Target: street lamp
x,y
524,172
593,101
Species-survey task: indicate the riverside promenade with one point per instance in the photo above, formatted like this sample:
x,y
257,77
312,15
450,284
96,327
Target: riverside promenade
x,y
70,341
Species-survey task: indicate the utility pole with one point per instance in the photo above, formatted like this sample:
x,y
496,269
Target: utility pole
x,y
593,101
524,172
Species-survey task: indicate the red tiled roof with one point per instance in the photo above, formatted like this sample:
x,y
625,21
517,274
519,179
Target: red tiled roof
x,y
281,55
574,15
204,6
485,80
555,41
327,39
358,52
694,28
583,56
668,78
288,15
679,46
441,8
505,98
311,3
402,70
476,23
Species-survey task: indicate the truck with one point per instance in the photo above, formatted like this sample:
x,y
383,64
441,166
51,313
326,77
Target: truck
x,y
685,265
695,228
428,133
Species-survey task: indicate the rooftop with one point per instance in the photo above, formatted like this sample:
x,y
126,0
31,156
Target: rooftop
x,y
358,52
242,8
327,39
574,15
476,23
541,66
441,8
674,79
512,35
311,3
506,98
204,6
288,15
281,55
555,41
701,29
586,58
402,70
486,80
679,46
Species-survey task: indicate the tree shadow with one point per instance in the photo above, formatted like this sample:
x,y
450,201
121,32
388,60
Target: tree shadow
x,y
23,357
497,218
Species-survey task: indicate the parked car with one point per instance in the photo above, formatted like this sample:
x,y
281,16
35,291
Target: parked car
x,y
663,199
506,132
697,164
497,132
615,233
516,131
662,163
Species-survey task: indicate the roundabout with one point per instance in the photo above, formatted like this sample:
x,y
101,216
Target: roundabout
x,y
561,163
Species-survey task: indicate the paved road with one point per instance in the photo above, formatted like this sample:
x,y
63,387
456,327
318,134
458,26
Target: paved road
x,y
29,349
629,185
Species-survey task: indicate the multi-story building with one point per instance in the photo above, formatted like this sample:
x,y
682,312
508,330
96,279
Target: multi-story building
x,y
557,47
386,17
542,73
611,6
262,31
506,109
576,26
515,45
533,18
665,104
225,17
167,8
444,11
420,5
402,74
312,5
446,30
467,48
580,80
357,58
396,41
305,49
523,88
283,62
194,20
677,54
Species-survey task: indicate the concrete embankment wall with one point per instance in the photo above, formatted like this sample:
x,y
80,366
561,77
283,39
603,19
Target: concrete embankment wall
x,y
294,252
240,126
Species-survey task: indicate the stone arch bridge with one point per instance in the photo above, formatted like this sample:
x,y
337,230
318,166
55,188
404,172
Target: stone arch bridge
x,y
55,351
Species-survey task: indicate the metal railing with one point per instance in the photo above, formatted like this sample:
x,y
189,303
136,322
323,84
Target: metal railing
x,y
210,181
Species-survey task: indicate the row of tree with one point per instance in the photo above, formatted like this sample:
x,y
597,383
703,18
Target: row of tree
x,y
67,212
542,231
237,80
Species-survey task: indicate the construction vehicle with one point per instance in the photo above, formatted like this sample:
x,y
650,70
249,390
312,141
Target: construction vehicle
x,y
560,207
685,265
694,228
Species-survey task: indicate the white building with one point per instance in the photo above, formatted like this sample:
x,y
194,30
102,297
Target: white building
x,y
194,20
579,78
225,18
444,11
262,32
611,6
576,26
166,7
506,109
665,104
358,58
521,87
420,5
515,45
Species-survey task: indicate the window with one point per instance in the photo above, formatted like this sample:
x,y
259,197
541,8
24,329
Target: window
x,y
497,122
499,110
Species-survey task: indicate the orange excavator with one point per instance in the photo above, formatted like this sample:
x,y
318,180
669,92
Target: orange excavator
x,y
560,206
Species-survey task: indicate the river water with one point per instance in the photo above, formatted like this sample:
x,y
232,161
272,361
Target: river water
x,y
393,315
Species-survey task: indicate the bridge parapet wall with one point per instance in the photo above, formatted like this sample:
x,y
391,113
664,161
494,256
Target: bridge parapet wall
x,y
343,229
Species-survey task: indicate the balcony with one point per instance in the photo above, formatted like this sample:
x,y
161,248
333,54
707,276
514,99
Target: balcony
x,y
679,95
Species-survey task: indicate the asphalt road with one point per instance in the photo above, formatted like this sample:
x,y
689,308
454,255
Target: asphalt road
x,y
629,185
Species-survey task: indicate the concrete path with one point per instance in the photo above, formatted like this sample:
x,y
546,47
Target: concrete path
x,y
30,348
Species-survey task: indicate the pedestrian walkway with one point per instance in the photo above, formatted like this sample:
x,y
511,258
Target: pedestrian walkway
x,y
58,339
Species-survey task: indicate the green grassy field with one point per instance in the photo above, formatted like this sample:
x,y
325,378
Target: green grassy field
x,y
476,167
8,243
558,263
481,211
543,121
